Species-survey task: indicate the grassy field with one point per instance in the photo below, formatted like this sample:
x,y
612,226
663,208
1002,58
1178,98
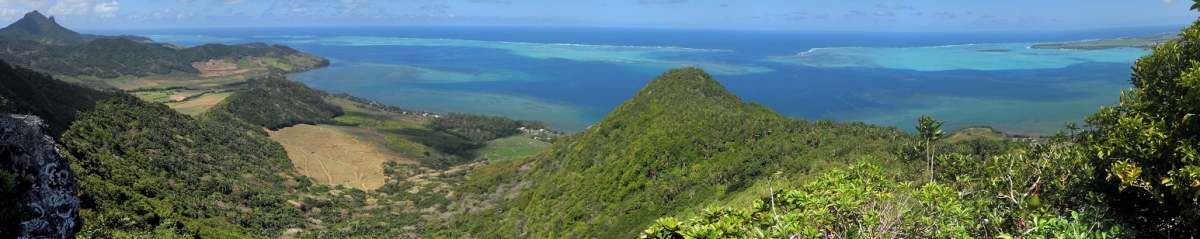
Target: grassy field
x,y
338,155
386,123
200,104
969,133
512,148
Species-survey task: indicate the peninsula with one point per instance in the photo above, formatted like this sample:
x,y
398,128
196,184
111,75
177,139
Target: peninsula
x,y
1144,42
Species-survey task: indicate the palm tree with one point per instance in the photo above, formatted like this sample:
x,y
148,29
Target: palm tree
x,y
929,132
1072,127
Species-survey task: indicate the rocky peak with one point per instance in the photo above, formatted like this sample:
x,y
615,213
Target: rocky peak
x,y
44,181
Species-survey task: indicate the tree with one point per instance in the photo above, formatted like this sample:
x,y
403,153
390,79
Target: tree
x,y
1072,127
1149,138
929,132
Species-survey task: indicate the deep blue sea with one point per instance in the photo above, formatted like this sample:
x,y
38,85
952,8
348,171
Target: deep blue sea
x,y
573,77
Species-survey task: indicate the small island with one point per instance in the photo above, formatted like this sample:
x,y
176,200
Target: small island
x,y
1144,42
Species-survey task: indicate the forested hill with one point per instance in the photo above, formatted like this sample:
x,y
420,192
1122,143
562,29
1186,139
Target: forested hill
x,y
25,91
37,27
278,103
39,43
681,142
115,57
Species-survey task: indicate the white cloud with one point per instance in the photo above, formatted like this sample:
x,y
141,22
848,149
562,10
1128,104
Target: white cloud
x,y
232,2
27,3
70,7
298,8
891,6
1168,1
106,10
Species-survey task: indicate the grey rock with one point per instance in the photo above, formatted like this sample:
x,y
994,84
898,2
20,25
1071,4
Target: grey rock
x,y
48,186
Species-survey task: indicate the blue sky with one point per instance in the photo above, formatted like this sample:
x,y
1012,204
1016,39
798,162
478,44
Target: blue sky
x,y
853,15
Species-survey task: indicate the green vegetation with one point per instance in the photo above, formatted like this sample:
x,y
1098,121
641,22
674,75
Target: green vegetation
x,y
683,141
30,92
36,27
683,158
199,103
39,43
1149,143
12,211
481,127
114,57
512,148
390,127
1136,174
144,167
279,103
975,132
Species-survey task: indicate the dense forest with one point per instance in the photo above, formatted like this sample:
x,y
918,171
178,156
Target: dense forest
x,y
277,102
115,57
482,127
681,142
145,170
26,91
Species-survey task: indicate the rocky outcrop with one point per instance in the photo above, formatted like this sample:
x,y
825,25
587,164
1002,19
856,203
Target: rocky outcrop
x,y
45,182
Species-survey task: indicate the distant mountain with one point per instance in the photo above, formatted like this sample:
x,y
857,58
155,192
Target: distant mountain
x,y
681,142
35,26
39,43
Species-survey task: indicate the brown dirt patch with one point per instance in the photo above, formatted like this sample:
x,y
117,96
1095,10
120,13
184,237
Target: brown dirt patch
x,y
214,68
338,155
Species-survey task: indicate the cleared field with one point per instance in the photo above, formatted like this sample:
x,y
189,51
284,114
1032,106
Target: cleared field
x,y
338,155
970,133
200,104
512,148
389,125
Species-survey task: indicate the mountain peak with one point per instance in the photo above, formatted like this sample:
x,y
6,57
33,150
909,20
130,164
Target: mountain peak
x,y
37,27
34,14
679,87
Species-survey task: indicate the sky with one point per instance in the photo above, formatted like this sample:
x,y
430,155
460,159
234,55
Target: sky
x,y
843,15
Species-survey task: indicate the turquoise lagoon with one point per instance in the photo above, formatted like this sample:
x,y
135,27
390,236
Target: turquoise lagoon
x,y
571,78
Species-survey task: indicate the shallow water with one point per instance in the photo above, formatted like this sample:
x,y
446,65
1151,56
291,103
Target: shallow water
x,y
571,78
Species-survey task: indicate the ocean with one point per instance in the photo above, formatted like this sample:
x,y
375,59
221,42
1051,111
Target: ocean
x,y
571,78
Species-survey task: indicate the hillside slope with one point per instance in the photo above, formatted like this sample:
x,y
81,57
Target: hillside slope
x,y
681,142
29,92
36,27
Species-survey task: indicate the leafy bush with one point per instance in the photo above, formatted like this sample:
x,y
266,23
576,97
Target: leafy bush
x,y
1149,142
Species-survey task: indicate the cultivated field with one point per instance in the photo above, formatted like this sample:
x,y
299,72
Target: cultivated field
x,y
198,105
512,148
338,155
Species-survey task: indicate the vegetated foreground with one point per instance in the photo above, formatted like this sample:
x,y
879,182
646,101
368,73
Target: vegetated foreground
x,y
683,158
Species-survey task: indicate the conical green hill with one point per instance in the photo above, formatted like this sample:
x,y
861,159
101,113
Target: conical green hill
x,y
681,142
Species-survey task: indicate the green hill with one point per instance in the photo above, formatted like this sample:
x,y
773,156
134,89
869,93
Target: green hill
x,y
29,92
36,27
279,103
681,142
116,57
39,43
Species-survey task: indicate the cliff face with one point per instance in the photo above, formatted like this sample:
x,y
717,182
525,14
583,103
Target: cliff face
x,y
44,180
